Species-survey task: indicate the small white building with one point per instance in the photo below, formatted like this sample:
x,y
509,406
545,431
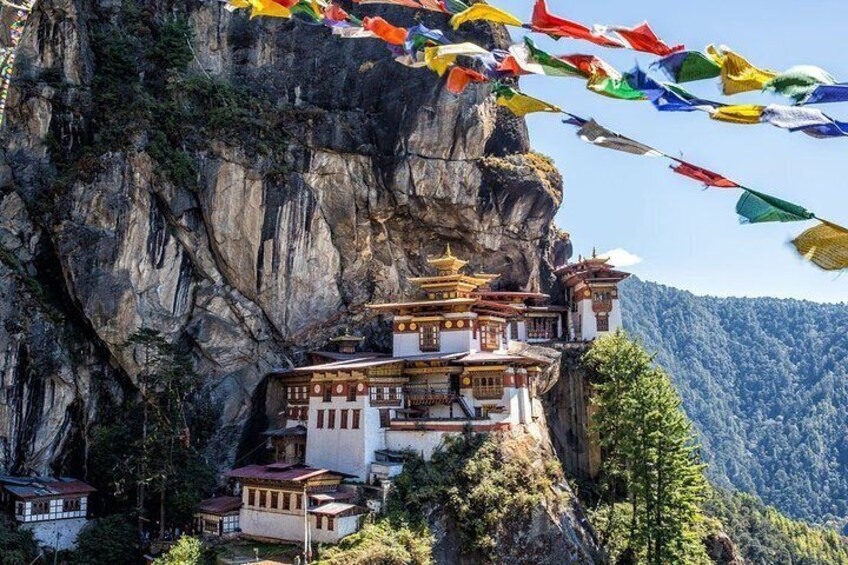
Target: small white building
x,y
218,517
55,509
290,502
591,287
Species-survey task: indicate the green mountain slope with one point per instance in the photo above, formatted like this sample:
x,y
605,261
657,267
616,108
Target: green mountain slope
x,y
765,382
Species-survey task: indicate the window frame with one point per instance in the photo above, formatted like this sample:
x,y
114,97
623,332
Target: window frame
x,y
429,337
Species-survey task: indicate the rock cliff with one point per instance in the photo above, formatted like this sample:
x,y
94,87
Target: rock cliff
x,y
243,187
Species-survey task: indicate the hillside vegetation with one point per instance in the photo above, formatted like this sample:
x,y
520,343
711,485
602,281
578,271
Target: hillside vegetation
x,y
765,382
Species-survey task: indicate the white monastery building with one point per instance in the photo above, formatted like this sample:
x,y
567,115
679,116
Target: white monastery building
x,y
55,509
462,359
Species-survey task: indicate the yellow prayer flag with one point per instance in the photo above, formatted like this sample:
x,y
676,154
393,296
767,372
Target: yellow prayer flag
x,y
737,74
826,245
521,104
235,4
268,8
742,114
481,11
441,57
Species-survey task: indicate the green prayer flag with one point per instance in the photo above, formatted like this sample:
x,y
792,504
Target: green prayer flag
x,y
687,66
551,66
614,88
756,207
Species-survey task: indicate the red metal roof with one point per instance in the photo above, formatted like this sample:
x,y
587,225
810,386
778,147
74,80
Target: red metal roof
x,y
219,505
278,472
38,487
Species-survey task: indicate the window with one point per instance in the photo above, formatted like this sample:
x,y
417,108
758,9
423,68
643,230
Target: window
x,y
490,336
330,523
541,328
328,392
385,418
488,386
41,507
428,337
355,424
318,520
603,323
298,501
286,501
262,498
19,509
351,392
384,395
343,423
71,505
320,423
331,419
513,329
251,497
304,413
274,499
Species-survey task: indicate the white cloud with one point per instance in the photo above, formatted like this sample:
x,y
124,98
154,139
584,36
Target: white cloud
x,y
619,257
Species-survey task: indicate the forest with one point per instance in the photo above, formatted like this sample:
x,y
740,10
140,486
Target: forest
x,y
764,382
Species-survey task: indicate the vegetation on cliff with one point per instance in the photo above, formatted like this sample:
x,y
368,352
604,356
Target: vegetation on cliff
x,y
765,382
652,481
764,536
483,488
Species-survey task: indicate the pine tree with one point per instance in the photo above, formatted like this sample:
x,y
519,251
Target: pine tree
x,y
650,456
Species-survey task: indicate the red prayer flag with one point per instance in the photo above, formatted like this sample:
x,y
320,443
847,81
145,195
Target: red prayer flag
x,y
545,22
384,30
286,3
335,13
510,65
705,176
459,77
642,38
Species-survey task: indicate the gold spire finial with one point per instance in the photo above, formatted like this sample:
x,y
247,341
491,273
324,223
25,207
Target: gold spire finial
x,y
448,250
594,252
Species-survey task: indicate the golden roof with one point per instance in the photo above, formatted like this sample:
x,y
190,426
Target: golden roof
x,y
447,262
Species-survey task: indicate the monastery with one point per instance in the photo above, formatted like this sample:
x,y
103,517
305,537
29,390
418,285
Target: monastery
x,y
462,360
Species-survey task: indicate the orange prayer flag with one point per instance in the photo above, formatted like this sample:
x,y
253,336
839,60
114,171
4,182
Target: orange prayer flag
x,y
384,30
460,77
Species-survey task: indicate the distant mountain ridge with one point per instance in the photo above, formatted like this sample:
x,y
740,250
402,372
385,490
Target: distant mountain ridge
x,y
765,381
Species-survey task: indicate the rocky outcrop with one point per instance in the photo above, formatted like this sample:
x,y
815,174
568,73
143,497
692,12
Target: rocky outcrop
x,y
721,550
243,187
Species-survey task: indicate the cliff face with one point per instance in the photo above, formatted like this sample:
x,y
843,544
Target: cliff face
x,y
244,187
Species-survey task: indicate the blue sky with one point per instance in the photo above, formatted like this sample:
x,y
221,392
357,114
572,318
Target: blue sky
x,y
685,236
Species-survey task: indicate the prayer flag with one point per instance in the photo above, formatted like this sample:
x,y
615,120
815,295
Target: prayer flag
x,y
455,6
667,97
236,4
705,176
756,207
352,32
530,59
596,134
687,66
826,245
737,74
419,36
545,22
741,114
384,30
827,93
520,104
482,11
268,8
642,38
573,120
794,118
798,82
441,57
407,3
460,77
613,87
